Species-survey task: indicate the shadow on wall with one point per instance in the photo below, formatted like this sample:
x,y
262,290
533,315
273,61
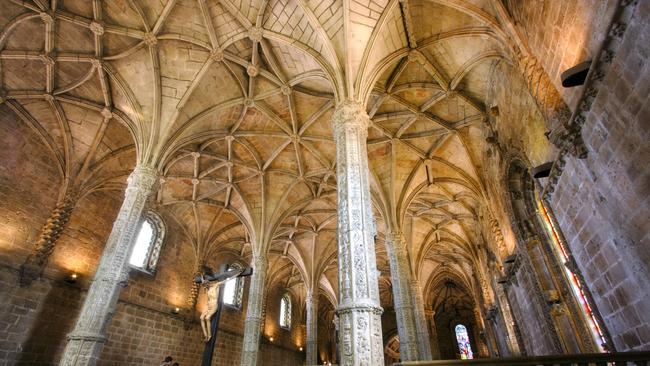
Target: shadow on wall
x,y
55,319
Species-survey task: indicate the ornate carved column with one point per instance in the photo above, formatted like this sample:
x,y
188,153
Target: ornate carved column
x,y
433,333
85,342
312,327
359,310
253,323
402,297
35,262
420,321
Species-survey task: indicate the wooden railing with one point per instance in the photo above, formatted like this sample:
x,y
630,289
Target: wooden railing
x,y
592,359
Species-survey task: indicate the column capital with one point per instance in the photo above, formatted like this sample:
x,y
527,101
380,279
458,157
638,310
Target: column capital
x,y
143,177
395,236
415,283
260,263
312,294
350,113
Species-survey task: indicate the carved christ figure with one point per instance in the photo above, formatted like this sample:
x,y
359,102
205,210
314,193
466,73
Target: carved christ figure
x,y
212,291
212,284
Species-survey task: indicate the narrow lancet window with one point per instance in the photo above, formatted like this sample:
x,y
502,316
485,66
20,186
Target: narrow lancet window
x,y
285,312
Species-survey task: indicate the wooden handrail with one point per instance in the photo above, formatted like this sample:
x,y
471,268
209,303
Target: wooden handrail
x,y
587,359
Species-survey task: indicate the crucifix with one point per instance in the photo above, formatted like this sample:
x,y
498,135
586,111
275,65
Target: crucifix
x,y
210,317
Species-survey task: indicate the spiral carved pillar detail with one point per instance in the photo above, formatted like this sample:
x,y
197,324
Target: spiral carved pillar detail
x,y
44,246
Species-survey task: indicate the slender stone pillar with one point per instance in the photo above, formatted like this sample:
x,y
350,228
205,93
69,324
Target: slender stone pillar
x,y
253,323
87,339
433,333
312,327
359,310
508,320
421,324
402,297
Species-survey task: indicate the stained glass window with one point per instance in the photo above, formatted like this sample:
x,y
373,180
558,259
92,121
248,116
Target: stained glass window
x,y
463,343
576,284
285,311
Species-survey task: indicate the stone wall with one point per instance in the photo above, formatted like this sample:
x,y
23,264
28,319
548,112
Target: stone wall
x,y
528,315
602,202
292,338
35,322
27,192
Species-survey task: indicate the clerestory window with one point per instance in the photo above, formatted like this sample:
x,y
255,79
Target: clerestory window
x,y
148,243
285,312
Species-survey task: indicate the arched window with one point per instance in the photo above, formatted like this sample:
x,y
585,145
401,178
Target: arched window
x,y
576,284
148,243
462,338
234,288
285,311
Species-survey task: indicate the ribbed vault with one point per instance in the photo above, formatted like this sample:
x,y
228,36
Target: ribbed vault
x,y
232,102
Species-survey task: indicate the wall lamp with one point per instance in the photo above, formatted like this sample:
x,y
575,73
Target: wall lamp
x,y
576,75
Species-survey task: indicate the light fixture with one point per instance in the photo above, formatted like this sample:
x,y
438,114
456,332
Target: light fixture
x,y
576,75
72,278
271,339
543,170
510,259
300,349
176,310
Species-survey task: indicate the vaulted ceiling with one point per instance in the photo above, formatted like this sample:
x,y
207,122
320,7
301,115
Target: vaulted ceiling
x,y
232,101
